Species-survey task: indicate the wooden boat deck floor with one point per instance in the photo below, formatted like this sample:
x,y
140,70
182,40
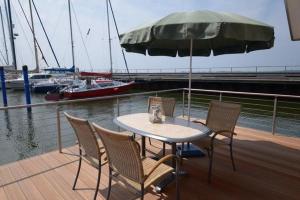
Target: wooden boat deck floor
x,y
268,167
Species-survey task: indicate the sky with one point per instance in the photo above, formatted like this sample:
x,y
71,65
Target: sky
x,y
91,51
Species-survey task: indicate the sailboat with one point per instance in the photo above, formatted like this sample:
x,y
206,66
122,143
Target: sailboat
x,y
92,87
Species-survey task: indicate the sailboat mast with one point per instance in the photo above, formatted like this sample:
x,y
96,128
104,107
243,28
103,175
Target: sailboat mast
x,y
71,32
4,37
37,65
13,50
109,36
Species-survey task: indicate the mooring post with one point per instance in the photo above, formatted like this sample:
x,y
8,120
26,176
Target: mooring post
x,y
4,96
26,87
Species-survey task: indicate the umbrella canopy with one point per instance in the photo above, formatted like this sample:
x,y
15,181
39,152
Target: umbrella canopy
x,y
220,33
198,34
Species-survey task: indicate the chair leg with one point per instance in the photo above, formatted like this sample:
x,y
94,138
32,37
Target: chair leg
x,y
78,170
109,184
231,156
142,191
149,141
98,181
210,156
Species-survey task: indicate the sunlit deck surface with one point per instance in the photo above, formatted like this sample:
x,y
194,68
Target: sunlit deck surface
x,y
268,167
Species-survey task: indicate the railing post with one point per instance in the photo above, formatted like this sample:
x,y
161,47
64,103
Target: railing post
x,y
118,107
183,103
221,96
118,111
58,130
274,116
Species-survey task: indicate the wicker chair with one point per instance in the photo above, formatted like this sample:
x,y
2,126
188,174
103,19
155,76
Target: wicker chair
x,y
221,119
88,143
126,164
167,106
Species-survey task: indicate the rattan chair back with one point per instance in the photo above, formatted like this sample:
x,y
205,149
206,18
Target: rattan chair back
x,y
167,105
85,135
222,116
123,153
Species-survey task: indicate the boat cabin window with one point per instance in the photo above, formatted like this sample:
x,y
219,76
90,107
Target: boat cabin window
x,y
40,76
105,84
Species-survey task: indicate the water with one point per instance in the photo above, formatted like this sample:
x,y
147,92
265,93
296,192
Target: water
x,y
24,134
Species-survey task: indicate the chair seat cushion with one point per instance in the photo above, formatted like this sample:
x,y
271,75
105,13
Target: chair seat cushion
x,y
206,142
160,172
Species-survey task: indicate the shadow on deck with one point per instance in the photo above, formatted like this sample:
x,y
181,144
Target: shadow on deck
x,y
268,167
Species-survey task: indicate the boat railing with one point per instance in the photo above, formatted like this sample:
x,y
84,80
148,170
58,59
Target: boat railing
x,y
45,128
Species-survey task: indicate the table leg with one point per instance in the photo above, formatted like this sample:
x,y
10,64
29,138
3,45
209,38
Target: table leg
x,y
143,146
174,148
170,178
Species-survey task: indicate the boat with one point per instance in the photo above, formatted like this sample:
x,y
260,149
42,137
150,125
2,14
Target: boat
x,y
96,88
92,88
18,84
52,85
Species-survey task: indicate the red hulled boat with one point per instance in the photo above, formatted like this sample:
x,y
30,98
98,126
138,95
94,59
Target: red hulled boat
x,y
96,88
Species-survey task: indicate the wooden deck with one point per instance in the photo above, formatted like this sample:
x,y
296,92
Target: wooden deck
x,y
268,167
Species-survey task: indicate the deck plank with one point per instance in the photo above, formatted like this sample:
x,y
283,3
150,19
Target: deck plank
x,y
2,194
39,179
268,167
26,185
11,188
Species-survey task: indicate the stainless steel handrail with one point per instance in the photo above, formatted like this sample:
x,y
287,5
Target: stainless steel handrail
x,y
274,96
65,102
246,93
274,99
58,104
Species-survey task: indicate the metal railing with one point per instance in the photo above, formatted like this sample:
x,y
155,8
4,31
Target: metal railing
x,y
31,133
268,106
250,69
45,124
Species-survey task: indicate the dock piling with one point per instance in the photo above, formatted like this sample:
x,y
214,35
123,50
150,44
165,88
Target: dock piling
x,y
3,85
26,87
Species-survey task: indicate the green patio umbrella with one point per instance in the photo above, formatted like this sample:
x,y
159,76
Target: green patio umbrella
x,y
199,33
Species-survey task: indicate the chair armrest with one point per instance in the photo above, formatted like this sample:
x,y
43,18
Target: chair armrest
x,y
224,131
198,122
159,162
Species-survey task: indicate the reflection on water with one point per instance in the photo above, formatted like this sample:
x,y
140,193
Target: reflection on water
x,y
24,134
8,124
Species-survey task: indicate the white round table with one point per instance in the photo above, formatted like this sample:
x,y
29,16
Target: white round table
x,y
171,130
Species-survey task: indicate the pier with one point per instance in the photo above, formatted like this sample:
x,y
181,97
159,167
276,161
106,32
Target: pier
x,y
269,79
269,74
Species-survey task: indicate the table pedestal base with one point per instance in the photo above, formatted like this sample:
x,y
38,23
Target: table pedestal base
x,y
189,151
168,180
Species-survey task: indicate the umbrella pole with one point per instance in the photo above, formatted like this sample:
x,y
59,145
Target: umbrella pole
x,y
190,81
